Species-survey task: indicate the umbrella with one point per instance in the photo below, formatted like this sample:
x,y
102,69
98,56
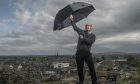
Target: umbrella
x,y
80,10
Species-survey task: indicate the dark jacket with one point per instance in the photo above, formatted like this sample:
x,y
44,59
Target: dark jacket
x,y
87,41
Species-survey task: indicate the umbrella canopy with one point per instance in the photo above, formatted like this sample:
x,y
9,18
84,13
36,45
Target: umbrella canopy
x,y
80,10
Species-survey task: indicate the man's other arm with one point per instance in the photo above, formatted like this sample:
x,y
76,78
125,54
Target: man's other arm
x,y
90,40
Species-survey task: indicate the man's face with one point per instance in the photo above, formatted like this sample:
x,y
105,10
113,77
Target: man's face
x,y
88,27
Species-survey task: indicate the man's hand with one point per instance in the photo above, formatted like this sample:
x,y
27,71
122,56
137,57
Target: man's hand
x,y
81,36
71,17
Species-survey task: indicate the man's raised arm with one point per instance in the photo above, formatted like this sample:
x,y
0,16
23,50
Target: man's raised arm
x,y
77,29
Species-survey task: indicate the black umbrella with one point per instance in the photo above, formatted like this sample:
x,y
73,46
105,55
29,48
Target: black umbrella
x,y
80,10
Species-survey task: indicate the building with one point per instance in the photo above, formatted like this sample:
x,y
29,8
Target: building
x,y
61,65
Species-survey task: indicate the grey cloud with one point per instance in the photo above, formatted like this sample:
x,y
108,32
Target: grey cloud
x,y
129,14
124,18
20,43
125,46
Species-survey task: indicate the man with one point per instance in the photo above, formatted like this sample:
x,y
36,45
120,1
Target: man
x,y
83,54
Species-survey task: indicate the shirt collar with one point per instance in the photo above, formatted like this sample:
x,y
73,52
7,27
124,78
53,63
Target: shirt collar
x,y
89,32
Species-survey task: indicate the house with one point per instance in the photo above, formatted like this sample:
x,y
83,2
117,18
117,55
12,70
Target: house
x,y
11,66
61,65
50,72
19,67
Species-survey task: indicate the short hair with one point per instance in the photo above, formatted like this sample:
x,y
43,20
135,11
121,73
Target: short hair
x,y
88,24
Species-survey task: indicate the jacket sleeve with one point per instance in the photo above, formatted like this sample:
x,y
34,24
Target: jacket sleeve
x,y
89,40
77,29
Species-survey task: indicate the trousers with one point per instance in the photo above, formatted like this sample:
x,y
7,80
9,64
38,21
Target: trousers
x,y
85,56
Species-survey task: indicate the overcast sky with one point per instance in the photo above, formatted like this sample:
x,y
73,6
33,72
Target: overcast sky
x,y
26,27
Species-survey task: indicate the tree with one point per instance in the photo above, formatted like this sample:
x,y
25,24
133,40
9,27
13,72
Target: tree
x,y
138,68
103,57
3,80
132,61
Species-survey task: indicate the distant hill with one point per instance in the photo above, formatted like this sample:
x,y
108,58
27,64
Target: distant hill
x,y
116,54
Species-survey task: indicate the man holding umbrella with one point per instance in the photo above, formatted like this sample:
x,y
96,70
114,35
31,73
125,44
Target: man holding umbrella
x,y
83,54
63,19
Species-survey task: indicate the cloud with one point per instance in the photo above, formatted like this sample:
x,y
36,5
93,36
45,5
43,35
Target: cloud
x,y
23,16
116,25
129,37
131,14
